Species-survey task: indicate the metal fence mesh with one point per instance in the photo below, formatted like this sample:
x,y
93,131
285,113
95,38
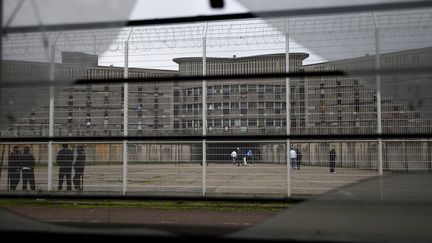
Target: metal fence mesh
x,y
358,103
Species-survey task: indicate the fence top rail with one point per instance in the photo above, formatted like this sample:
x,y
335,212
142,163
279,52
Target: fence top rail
x,y
199,138
137,142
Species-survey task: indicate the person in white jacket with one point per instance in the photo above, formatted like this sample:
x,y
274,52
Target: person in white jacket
x,y
234,156
293,158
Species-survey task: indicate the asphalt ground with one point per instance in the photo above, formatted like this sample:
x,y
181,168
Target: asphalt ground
x,y
223,179
182,217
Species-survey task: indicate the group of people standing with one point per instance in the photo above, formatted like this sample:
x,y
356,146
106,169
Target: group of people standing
x,y
22,165
65,158
296,158
239,157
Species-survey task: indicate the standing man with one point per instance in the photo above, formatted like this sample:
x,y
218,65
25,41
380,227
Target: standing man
x,y
299,158
1,159
250,156
332,156
64,161
241,157
293,157
28,164
233,156
80,161
14,168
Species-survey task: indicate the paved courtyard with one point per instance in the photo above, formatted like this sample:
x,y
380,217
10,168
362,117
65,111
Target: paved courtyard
x,y
257,180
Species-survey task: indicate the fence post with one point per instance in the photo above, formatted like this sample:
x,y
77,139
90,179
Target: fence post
x,y
125,114
51,116
204,110
378,93
288,106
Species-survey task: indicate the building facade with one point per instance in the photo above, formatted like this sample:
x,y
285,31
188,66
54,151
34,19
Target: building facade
x,y
239,106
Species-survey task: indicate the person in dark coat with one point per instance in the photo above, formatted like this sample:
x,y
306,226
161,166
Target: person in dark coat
x,y
64,160
14,168
28,164
332,156
299,158
79,168
240,156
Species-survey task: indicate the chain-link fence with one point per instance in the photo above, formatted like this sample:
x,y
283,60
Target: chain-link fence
x,y
126,126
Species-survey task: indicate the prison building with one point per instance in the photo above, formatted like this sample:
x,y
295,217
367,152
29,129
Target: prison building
x,y
256,106
348,104
93,110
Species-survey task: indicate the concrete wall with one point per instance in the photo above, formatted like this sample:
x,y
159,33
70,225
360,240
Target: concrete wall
x,y
397,155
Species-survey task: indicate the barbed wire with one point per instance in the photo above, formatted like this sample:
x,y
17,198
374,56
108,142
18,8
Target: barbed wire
x,y
221,34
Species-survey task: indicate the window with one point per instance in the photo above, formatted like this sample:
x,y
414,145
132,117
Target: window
x,y
217,123
293,123
243,89
196,94
278,108
176,110
176,95
225,108
261,122
243,108
226,92
269,122
269,106
269,89
235,89
260,89
226,123
278,91
234,106
252,88
243,122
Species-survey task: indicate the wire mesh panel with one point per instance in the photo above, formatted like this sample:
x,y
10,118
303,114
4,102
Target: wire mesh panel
x,y
94,167
246,167
24,167
383,89
407,156
326,165
165,168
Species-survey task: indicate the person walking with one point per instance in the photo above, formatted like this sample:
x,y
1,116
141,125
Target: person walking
x,y
79,165
64,161
332,156
293,157
14,168
299,158
28,164
250,156
234,157
241,157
